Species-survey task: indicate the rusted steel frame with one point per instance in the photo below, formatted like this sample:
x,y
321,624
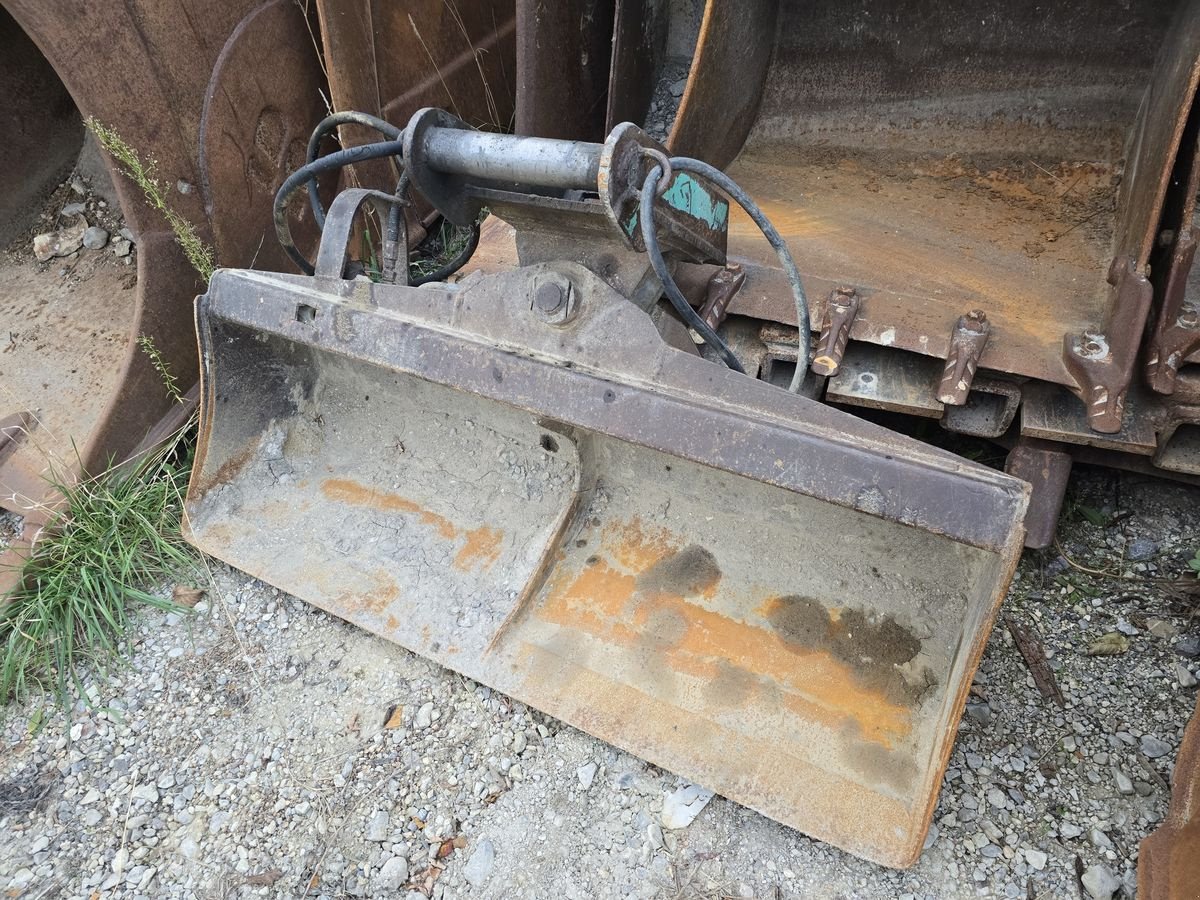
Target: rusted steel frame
x,y
725,84
41,127
638,43
564,50
1168,865
391,59
1102,361
1176,331
1046,467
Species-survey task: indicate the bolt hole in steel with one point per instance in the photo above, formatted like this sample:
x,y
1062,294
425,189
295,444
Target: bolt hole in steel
x,y
866,378
549,444
609,396
305,313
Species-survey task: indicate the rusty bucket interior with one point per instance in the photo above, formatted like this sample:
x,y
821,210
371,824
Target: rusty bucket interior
x,y
773,598
944,165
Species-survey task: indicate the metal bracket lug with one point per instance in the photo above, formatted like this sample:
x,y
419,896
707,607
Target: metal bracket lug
x,y
1101,362
722,287
840,313
966,347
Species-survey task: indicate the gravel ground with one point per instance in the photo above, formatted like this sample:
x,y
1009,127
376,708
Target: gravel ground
x,y
259,747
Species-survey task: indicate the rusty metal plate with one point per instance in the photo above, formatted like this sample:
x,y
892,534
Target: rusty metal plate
x,y
892,380
254,129
970,198
564,50
1050,412
1169,859
565,522
638,43
171,57
725,83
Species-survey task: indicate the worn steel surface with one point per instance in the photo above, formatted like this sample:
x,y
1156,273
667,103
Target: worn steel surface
x,y
1169,859
222,91
564,49
638,44
1046,466
1000,183
570,494
41,127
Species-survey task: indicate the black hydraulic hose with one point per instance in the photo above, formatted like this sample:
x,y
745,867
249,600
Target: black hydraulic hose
x,y
463,257
730,187
395,242
678,301
306,174
325,127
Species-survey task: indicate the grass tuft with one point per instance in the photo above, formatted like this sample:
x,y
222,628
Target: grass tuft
x,y
115,536
142,172
170,382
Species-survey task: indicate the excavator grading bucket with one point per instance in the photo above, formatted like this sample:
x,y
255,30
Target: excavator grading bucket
x,y
768,596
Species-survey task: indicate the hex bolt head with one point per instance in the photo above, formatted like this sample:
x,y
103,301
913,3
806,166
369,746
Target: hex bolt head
x,y
1189,316
549,298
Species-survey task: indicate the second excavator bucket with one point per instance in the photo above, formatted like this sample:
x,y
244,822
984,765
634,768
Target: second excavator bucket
x,y
777,600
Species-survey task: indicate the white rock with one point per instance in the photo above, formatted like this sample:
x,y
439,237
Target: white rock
x,y
379,827
120,861
146,792
392,875
1154,747
1036,858
1184,675
681,807
1099,839
1123,782
424,716
1069,830
586,774
122,247
39,844
479,866
1100,883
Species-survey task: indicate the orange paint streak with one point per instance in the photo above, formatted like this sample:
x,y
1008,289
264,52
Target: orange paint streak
x,y
482,549
601,600
347,491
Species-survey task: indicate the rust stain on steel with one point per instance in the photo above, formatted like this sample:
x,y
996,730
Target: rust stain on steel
x,y
374,598
352,492
481,550
481,547
1169,859
647,595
